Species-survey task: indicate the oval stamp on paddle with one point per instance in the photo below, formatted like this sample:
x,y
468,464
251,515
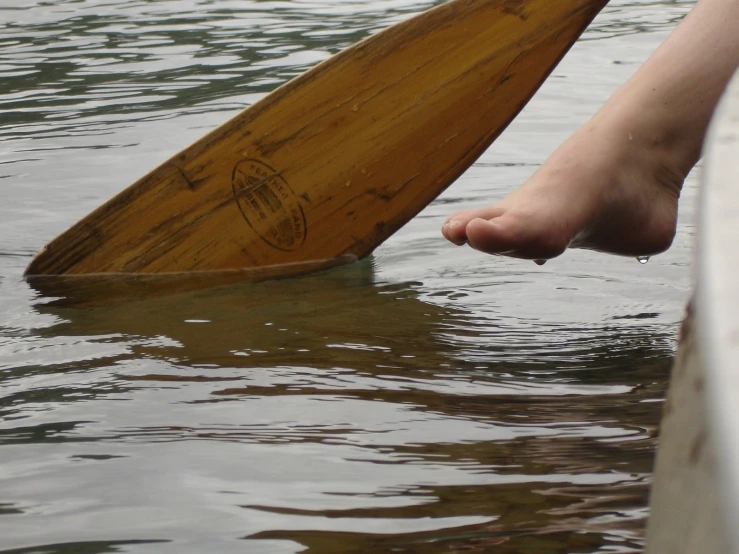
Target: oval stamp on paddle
x,y
268,204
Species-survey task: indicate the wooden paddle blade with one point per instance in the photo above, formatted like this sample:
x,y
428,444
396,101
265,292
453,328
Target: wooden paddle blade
x,y
335,161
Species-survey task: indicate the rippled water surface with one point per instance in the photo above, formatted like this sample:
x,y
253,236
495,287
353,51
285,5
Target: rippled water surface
x,y
428,399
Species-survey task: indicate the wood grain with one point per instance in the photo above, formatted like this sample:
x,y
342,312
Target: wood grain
x,y
335,161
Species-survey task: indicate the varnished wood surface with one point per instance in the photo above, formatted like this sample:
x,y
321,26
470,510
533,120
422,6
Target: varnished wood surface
x,y
335,161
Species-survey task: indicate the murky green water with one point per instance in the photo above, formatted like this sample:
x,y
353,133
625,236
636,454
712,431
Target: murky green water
x,y
429,399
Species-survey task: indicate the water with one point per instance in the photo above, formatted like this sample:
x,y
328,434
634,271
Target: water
x,y
429,399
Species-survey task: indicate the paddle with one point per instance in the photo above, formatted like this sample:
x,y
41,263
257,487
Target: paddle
x,y
332,163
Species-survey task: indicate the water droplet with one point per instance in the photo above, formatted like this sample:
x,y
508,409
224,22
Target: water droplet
x,y
642,259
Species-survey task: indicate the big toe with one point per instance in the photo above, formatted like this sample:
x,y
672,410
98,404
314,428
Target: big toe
x,y
516,236
455,227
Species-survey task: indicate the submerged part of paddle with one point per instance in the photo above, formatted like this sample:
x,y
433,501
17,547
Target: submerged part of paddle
x,y
335,161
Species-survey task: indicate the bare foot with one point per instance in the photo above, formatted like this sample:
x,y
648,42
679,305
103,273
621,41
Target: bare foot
x,y
614,185
606,189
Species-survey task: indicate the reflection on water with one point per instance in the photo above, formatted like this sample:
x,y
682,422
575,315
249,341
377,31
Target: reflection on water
x,y
331,413
427,400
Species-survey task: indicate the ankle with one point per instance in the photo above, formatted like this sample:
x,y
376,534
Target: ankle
x,y
653,135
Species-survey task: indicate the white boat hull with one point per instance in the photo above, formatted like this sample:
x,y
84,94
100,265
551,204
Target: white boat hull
x,y
695,495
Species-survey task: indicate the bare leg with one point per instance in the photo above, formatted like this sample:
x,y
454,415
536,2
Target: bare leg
x,y
614,185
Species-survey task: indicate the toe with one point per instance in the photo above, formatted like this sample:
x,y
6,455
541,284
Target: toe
x,y
455,231
489,236
514,236
455,228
